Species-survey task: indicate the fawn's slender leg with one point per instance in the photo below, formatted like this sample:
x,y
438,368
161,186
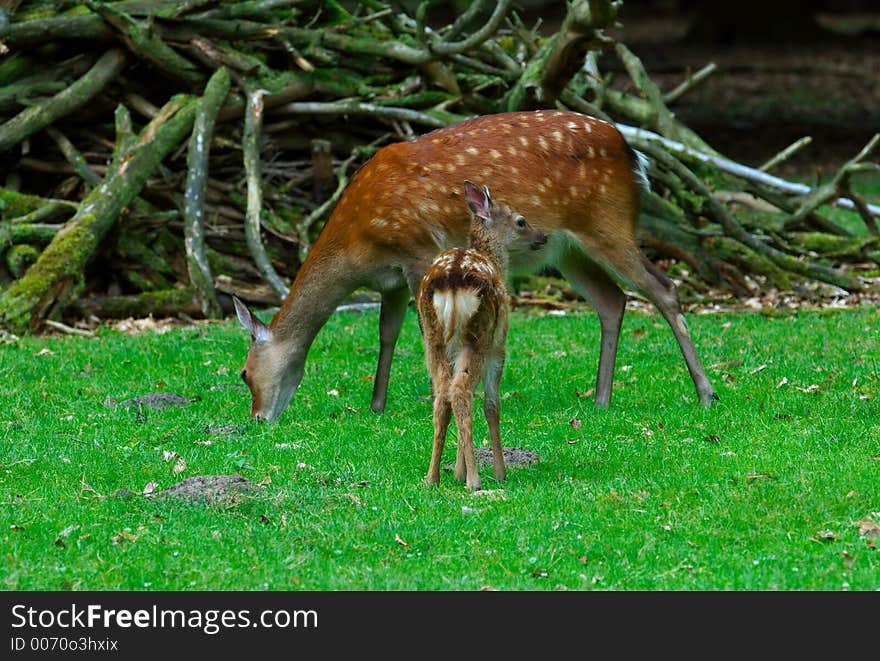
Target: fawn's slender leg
x,y
468,370
442,416
441,379
492,411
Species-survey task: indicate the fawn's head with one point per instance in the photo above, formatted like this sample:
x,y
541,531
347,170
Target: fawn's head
x,y
496,227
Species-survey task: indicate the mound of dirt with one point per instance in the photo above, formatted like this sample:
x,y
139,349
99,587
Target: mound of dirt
x,y
513,458
213,489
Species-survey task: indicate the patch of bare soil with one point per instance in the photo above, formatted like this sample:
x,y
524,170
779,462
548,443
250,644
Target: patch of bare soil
x,y
153,400
211,489
513,457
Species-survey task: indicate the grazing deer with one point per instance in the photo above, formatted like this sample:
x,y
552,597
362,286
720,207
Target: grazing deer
x,y
572,175
463,310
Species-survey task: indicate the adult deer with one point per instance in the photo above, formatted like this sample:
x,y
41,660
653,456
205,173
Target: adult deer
x,y
464,312
572,175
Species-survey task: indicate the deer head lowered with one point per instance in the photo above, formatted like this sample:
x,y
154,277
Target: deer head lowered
x,y
573,176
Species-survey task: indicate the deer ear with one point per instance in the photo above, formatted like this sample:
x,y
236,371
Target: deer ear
x,y
487,196
478,200
258,330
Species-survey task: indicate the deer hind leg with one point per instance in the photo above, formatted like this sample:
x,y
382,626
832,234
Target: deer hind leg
x,y
492,411
609,302
629,264
391,318
663,293
466,375
442,416
441,378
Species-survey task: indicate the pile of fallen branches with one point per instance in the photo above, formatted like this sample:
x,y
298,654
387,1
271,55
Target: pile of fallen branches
x,y
158,156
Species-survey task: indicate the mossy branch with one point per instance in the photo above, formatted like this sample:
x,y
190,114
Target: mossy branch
x,y
55,274
198,267
253,122
39,116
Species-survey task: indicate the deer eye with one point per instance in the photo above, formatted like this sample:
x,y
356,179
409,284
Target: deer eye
x,y
520,222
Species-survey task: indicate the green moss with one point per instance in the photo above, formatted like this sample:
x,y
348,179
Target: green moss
x,y
766,220
47,280
149,251
424,99
221,264
830,245
283,221
337,82
15,67
335,13
735,252
36,12
160,302
14,204
20,257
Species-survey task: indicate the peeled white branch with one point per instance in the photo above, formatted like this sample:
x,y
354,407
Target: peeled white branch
x,y
732,167
253,122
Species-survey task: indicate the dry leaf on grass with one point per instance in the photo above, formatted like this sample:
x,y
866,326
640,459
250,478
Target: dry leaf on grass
x,y
67,530
127,535
826,536
353,498
59,541
869,529
400,541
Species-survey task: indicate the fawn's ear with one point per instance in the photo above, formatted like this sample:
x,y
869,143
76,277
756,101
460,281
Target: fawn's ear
x,y
258,330
478,200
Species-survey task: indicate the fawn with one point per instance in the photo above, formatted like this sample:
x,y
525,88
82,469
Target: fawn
x,y
463,309
572,175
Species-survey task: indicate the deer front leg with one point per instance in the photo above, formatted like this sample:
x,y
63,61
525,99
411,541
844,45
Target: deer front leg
x,y
391,318
492,411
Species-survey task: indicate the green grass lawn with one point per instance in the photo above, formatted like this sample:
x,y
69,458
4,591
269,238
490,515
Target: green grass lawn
x,y
765,491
